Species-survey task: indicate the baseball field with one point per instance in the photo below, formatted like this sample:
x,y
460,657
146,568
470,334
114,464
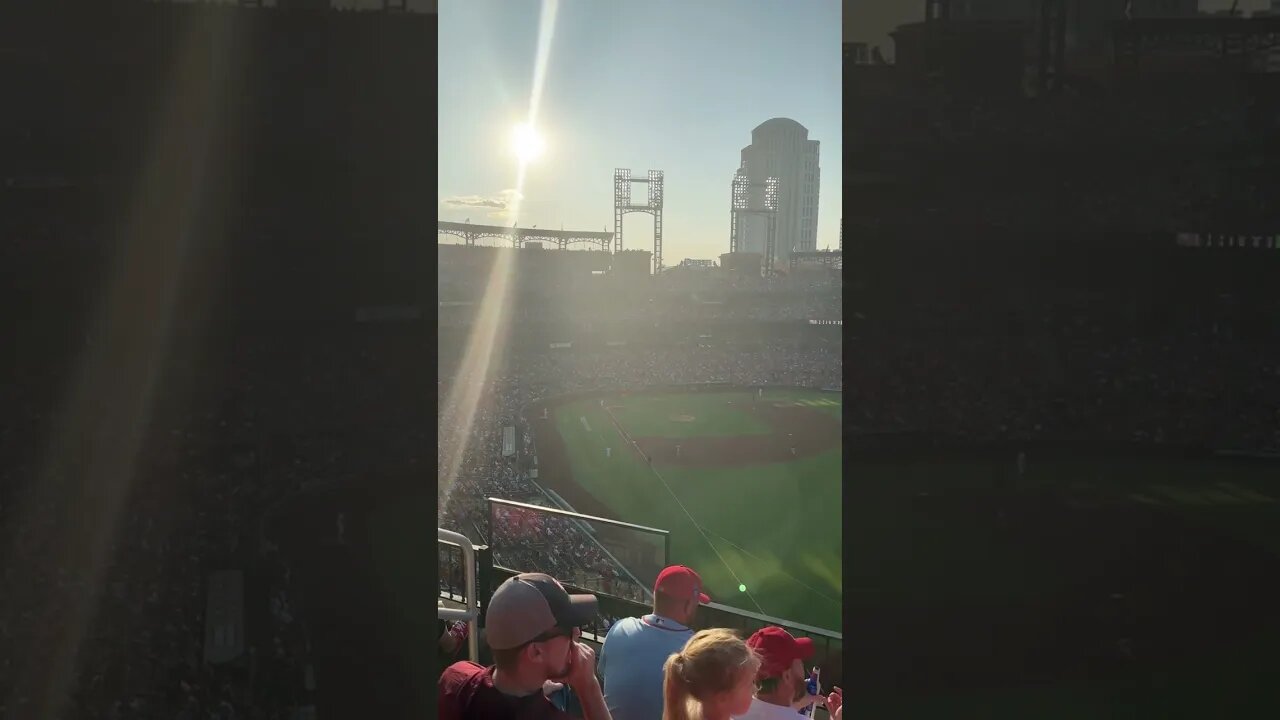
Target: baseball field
x,y
748,485
1091,585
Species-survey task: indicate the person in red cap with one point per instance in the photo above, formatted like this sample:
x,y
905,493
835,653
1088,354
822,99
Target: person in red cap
x,y
635,649
532,625
782,691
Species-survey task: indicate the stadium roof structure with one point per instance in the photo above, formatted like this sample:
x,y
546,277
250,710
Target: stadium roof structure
x,y
1214,35
830,258
518,236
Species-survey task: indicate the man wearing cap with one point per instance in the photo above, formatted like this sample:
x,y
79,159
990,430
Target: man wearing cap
x,y
532,626
635,649
782,675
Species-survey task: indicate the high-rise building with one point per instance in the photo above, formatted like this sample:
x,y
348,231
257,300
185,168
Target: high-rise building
x,y
781,148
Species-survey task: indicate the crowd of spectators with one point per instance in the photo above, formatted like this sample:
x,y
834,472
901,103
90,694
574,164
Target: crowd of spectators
x,y
193,509
770,363
1194,380
704,295
231,438
1115,167
522,541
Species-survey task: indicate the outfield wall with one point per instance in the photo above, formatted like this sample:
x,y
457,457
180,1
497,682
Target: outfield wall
x,y
567,398
905,444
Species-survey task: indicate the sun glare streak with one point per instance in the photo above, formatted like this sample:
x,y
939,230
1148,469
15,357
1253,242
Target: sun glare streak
x,y
546,33
92,457
489,332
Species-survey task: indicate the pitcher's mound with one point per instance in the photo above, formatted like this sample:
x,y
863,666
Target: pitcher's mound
x,y
683,418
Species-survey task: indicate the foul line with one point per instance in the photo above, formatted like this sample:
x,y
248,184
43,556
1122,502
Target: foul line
x,y
797,580
689,515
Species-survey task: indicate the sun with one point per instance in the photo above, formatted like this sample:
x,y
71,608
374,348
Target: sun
x,y
526,143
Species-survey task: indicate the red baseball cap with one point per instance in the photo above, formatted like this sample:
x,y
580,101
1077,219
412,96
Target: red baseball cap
x,y
777,649
679,581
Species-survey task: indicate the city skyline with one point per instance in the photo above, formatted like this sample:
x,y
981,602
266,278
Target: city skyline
x,y
670,89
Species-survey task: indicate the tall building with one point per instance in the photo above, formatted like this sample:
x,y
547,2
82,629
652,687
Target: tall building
x,y
781,148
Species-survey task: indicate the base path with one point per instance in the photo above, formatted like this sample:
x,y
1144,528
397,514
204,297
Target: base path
x,y
808,431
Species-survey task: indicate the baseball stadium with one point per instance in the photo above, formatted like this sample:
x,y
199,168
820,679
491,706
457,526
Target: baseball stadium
x,y
628,422
721,434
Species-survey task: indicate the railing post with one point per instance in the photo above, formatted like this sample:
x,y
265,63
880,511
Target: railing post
x,y
484,577
469,615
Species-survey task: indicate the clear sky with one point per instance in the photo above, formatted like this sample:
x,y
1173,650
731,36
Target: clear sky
x,y
673,85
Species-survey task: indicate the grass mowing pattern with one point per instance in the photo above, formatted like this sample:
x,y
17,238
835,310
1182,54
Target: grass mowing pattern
x,y
775,528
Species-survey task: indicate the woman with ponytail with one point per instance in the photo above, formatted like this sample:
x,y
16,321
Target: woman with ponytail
x,y
711,678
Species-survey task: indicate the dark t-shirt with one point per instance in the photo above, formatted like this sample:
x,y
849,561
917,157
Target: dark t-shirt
x,y
467,693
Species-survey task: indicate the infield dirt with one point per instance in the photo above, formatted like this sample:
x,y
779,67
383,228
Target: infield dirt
x,y
806,430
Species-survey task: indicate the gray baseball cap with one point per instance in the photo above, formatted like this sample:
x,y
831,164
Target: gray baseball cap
x,y
529,605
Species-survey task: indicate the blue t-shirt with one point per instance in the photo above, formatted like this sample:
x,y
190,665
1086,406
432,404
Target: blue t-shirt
x,y
630,664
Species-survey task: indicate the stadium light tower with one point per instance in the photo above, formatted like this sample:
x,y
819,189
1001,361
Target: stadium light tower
x,y
741,205
622,205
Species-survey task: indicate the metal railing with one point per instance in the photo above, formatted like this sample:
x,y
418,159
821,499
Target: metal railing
x,y
471,614
472,578
590,527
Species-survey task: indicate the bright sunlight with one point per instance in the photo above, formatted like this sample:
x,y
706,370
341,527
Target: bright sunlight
x,y
526,143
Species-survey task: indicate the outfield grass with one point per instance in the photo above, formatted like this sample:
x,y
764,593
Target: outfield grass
x,y
960,557
1240,498
775,528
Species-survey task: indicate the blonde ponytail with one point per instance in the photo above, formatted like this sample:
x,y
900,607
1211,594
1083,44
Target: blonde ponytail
x,y
675,690
711,662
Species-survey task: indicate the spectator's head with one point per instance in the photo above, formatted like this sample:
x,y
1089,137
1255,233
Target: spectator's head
x,y
677,594
531,625
782,675
715,669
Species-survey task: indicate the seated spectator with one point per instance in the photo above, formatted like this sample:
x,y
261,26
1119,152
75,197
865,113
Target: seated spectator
x,y
635,649
532,626
452,641
715,671
782,691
